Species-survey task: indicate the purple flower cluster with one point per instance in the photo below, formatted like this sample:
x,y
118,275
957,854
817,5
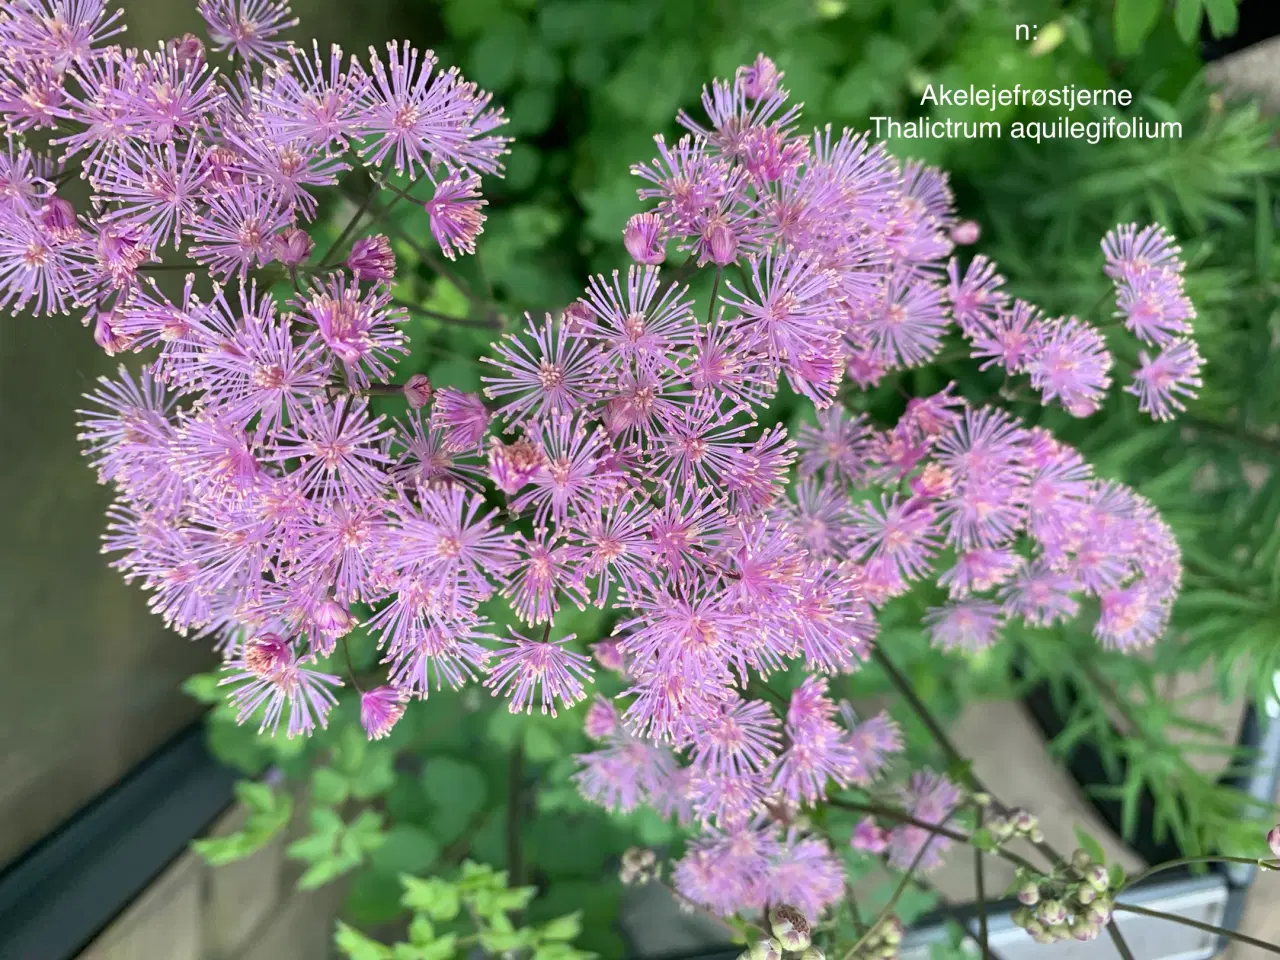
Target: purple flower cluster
x,y
224,166
614,457
1066,358
1147,272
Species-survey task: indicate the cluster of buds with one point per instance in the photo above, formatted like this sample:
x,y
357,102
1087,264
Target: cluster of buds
x,y
1073,903
639,866
884,942
1013,823
792,936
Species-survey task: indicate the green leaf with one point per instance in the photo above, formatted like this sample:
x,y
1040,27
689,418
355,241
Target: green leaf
x,y
376,774
1264,231
1116,875
447,299
406,849
271,812
373,898
357,946
1133,22
325,870
421,931
567,927
456,790
329,787
438,898
1186,19
1089,845
983,840
441,949
1224,18
203,687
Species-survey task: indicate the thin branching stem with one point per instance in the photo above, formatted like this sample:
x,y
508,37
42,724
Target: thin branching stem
x,y
903,686
334,247
444,317
1187,861
897,893
980,886
1206,927
1113,931
957,836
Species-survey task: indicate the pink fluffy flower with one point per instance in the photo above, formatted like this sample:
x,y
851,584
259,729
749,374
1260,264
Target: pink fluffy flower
x,y
930,798
381,709
455,215
529,666
247,27
869,837
420,120
1161,382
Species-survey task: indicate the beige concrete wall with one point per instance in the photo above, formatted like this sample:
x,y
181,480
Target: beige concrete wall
x,y
243,911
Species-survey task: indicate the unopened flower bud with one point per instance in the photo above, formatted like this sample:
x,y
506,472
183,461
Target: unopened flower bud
x,y
892,931
1081,861
790,927
291,246
576,316
1029,894
767,949
965,232
1024,821
601,719
643,238
608,653
1086,931
1022,916
1051,913
869,837
333,619
1098,878
187,49
1036,835
381,709
371,259
1085,894
638,866
722,243
1273,840
982,799
107,335
58,217
513,465
760,79
417,390
1100,910
813,953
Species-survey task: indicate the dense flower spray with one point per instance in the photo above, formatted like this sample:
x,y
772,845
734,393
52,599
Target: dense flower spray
x,y
614,457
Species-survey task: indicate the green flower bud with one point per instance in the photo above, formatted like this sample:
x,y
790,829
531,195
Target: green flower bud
x,y
1029,894
1097,877
813,953
1051,913
1081,861
790,927
1085,894
767,949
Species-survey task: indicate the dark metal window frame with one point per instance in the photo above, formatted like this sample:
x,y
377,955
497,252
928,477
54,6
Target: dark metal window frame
x,y
63,892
